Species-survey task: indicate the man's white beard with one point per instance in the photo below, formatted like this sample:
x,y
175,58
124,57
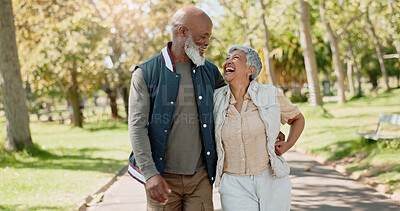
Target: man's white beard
x,y
193,52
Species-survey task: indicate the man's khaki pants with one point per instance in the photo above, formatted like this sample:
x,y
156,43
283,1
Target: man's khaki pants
x,y
188,192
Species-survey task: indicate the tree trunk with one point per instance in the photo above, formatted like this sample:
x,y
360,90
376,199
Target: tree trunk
x,y
74,98
125,97
397,46
112,96
14,96
398,81
309,54
396,41
380,59
338,66
373,80
267,48
112,92
379,53
350,77
356,70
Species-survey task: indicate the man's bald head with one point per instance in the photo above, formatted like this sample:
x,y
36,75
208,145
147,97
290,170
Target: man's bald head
x,y
189,17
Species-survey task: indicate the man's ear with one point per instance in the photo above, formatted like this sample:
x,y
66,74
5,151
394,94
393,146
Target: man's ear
x,y
182,31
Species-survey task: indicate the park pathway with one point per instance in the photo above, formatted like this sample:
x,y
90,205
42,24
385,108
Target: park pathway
x,y
318,188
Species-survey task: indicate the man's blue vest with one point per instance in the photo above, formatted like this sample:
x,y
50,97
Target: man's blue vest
x,y
163,84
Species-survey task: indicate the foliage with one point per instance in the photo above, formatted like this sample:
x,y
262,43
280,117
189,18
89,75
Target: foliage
x,y
95,43
289,61
61,35
107,38
139,29
283,21
298,97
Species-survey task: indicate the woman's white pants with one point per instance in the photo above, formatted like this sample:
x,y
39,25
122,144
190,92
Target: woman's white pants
x,y
256,192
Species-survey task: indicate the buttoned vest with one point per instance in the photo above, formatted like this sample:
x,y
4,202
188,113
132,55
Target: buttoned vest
x,y
163,85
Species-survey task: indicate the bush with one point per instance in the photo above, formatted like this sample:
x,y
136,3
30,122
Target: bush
x,y
298,98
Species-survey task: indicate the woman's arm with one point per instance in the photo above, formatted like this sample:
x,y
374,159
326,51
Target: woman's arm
x,y
296,128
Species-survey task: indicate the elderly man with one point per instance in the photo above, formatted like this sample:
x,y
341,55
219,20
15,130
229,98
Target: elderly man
x,y
171,124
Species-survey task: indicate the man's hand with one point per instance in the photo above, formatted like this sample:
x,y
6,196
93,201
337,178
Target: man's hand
x,y
157,188
280,145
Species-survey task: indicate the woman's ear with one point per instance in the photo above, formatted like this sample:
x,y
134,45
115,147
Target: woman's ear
x,y
251,70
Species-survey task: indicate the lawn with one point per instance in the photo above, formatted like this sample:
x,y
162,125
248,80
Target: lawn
x,y
334,137
66,165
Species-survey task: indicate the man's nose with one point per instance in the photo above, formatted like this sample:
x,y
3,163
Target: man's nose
x,y
207,42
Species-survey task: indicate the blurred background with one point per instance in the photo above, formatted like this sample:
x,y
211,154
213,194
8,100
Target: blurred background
x,y
337,59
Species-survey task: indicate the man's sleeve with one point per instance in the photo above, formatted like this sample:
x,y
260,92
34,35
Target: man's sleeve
x,y
139,108
220,82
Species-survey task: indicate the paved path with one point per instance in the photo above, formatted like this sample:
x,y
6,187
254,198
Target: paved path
x,y
322,188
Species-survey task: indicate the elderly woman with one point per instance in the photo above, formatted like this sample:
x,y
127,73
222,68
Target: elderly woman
x,y
251,174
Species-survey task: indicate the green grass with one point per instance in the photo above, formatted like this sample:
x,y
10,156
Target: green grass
x,y
66,165
333,136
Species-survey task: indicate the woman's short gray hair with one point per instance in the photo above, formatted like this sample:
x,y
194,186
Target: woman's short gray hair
x,y
253,59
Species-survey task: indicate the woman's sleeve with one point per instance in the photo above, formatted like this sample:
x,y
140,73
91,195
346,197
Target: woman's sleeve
x,y
288,110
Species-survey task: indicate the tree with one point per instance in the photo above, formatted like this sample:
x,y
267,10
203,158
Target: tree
x,y
132,39
113,13
267,48
309,54
394,19
67,42
353,62
288,64
14,97
350,76
378,48
338,66
248,18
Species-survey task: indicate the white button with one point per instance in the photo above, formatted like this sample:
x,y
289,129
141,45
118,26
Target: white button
x,y
200,97
194,71
176,76
242,158
205,125
172,102
165,130
208,153
160,158
212,178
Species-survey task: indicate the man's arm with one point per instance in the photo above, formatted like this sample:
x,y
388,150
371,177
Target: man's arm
x,y
139,109
220,82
